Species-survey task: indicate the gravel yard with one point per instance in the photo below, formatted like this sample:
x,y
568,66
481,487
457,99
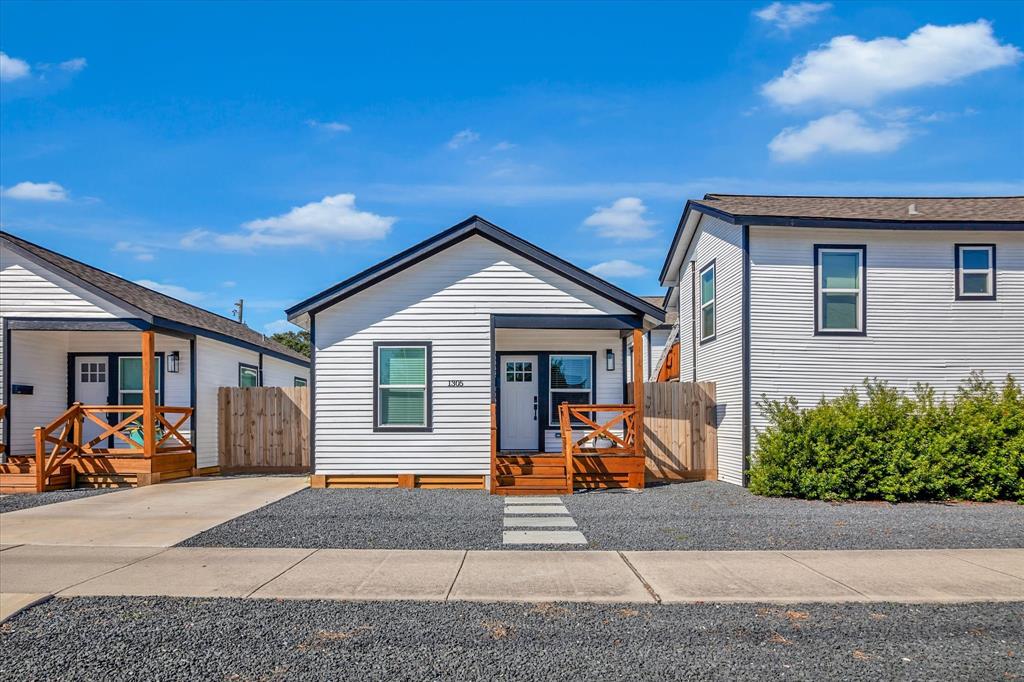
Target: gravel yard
x,y
9,503
174,639
691,516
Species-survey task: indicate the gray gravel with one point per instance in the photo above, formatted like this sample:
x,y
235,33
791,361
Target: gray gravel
x,y
709,515
10,503
695,516
237,639
368,519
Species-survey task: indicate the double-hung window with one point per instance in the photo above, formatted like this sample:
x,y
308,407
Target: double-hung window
x,y
402,386
839,289
707,302
248,375
570,380
976,271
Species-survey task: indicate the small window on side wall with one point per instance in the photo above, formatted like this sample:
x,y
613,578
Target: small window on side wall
x,y
402,386
975,272
299,382
839,290
708,295
248,375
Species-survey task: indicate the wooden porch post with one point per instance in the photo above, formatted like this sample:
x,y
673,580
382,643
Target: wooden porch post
x,y
638,400
148,395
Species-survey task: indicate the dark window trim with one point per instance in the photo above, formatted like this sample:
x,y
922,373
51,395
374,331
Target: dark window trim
x,y
547,381
863,331
960,296
254,368
296,384
700,302
377,428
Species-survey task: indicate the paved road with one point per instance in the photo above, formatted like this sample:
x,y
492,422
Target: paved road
x,y
244,639
153,516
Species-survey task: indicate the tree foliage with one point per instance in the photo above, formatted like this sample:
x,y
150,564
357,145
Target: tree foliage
x,y
297,341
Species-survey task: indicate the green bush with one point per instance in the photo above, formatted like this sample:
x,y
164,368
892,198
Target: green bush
x,y
895,447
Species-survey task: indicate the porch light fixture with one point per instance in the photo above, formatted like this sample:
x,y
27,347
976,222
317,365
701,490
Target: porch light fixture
x,y
609,360
172,361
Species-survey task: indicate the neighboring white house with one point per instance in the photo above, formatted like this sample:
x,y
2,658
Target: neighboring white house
x,y
807,296
71,334
656,341
409,355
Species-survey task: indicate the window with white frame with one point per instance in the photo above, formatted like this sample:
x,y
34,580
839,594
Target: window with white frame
x,y
707,302
402,386
94,372
840,289
976,271
570,380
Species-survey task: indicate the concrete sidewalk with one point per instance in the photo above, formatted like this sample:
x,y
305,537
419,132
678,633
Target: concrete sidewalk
x,y
31,572
154,516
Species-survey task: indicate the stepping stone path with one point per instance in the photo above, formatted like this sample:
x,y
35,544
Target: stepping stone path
x,y
539,521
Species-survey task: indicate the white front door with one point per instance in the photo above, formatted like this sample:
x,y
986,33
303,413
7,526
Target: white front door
x,y
91,376
519,401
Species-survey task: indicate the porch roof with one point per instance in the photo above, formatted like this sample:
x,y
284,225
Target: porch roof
x,y
159,310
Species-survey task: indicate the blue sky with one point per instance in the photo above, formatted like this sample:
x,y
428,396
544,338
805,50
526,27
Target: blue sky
x,y
266,151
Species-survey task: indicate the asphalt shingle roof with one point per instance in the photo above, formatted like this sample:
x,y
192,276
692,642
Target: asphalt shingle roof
x,y
153,302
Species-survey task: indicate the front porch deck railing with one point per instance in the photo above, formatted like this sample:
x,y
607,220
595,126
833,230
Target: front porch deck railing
x,y
624,448
61,439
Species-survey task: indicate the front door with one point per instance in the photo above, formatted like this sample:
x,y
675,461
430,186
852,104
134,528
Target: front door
x,y
519,402
91,388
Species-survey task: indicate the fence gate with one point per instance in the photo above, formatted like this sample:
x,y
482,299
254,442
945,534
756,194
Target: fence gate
x,y
263,429
680,434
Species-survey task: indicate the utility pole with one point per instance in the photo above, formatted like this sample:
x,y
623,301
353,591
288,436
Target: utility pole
x,y
239,309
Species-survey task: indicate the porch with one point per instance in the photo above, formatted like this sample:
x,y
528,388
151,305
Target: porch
x,y
83,410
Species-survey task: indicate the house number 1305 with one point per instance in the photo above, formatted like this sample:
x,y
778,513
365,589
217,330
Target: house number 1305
x,y
455,383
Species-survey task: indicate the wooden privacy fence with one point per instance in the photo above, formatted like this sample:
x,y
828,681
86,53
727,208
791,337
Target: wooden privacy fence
x,y
680,435
263,429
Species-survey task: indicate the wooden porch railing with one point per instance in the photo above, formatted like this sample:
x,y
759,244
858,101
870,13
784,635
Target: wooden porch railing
x,y
626,419
64,434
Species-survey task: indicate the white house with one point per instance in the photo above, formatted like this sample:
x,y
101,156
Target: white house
x,y
806,296
71,333
410,354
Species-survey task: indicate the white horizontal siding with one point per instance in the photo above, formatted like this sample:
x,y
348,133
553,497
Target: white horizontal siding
x,y
447,300
30,290
39,360
216,366
916,330
281,372
721,359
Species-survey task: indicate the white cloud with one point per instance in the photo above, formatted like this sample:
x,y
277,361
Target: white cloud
x,y
11,68
37,191
787,16
73,65
503,146
462,138
173,290
618,268
624,219
278,326
229,284
850,71
141,252
330,126
846,131
332,219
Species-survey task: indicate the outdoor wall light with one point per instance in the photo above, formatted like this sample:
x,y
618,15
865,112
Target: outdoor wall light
x,y
609,360
173,361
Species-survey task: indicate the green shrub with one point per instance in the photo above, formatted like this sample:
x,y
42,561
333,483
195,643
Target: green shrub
x,y
895,447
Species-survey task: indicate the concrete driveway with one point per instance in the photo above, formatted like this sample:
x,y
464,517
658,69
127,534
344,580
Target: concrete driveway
x,y
153,516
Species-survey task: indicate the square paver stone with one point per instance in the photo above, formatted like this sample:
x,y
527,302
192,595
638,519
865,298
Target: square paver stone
x,y
539,522
195,572
734,577
543,537
532,499
536,509
371,574
536,576
52,568
913,575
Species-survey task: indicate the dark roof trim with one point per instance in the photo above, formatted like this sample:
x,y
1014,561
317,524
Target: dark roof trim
x,y
162,323
77,324
568,321
78,281
473,225
839,223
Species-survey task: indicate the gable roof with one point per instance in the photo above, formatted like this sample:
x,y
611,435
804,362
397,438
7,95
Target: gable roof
x,y
671,314
152,306
472,226
891,213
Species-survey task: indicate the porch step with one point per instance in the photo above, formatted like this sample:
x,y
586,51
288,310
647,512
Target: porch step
x,y
106,480
21,478
526,470
532,481
530,474
518,490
